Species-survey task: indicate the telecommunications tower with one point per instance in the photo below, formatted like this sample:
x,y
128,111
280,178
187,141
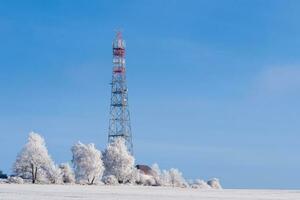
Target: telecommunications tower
x,y
119,122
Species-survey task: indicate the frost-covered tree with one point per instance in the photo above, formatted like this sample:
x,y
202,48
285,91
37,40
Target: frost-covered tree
x,y
87,163
67,173
33,162
173,177
157,174
164,178
156,169
118,161
176,178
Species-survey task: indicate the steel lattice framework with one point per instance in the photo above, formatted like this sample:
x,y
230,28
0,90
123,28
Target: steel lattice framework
x,y
119,122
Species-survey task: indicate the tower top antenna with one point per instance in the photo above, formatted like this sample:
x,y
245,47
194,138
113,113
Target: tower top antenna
x,y
119,35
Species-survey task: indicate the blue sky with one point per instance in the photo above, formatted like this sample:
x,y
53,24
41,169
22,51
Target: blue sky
x,y
213,85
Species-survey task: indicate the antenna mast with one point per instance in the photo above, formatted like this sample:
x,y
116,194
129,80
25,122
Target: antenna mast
x,y
119,122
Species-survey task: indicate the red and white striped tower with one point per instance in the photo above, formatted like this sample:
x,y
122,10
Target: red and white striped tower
x,y
119,122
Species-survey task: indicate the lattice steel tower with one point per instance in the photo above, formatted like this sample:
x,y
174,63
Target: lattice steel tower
x,y
119,122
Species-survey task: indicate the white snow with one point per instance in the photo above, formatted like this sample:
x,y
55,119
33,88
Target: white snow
x,y
104,192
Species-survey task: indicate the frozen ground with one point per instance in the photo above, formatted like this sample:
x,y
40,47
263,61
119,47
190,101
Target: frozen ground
x,y
77,192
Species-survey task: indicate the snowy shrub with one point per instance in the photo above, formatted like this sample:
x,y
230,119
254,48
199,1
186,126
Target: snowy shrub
x,y
200,184
87,163
15,179
157,174
33,162
176,178
173,177
110,180
147,180
2,181
54,175
67,173
165,178
118,161
214,183
156,169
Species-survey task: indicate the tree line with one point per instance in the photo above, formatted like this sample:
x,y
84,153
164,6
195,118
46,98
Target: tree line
x,y
115,165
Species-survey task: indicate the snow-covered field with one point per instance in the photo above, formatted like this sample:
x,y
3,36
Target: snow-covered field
x,y
71,192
